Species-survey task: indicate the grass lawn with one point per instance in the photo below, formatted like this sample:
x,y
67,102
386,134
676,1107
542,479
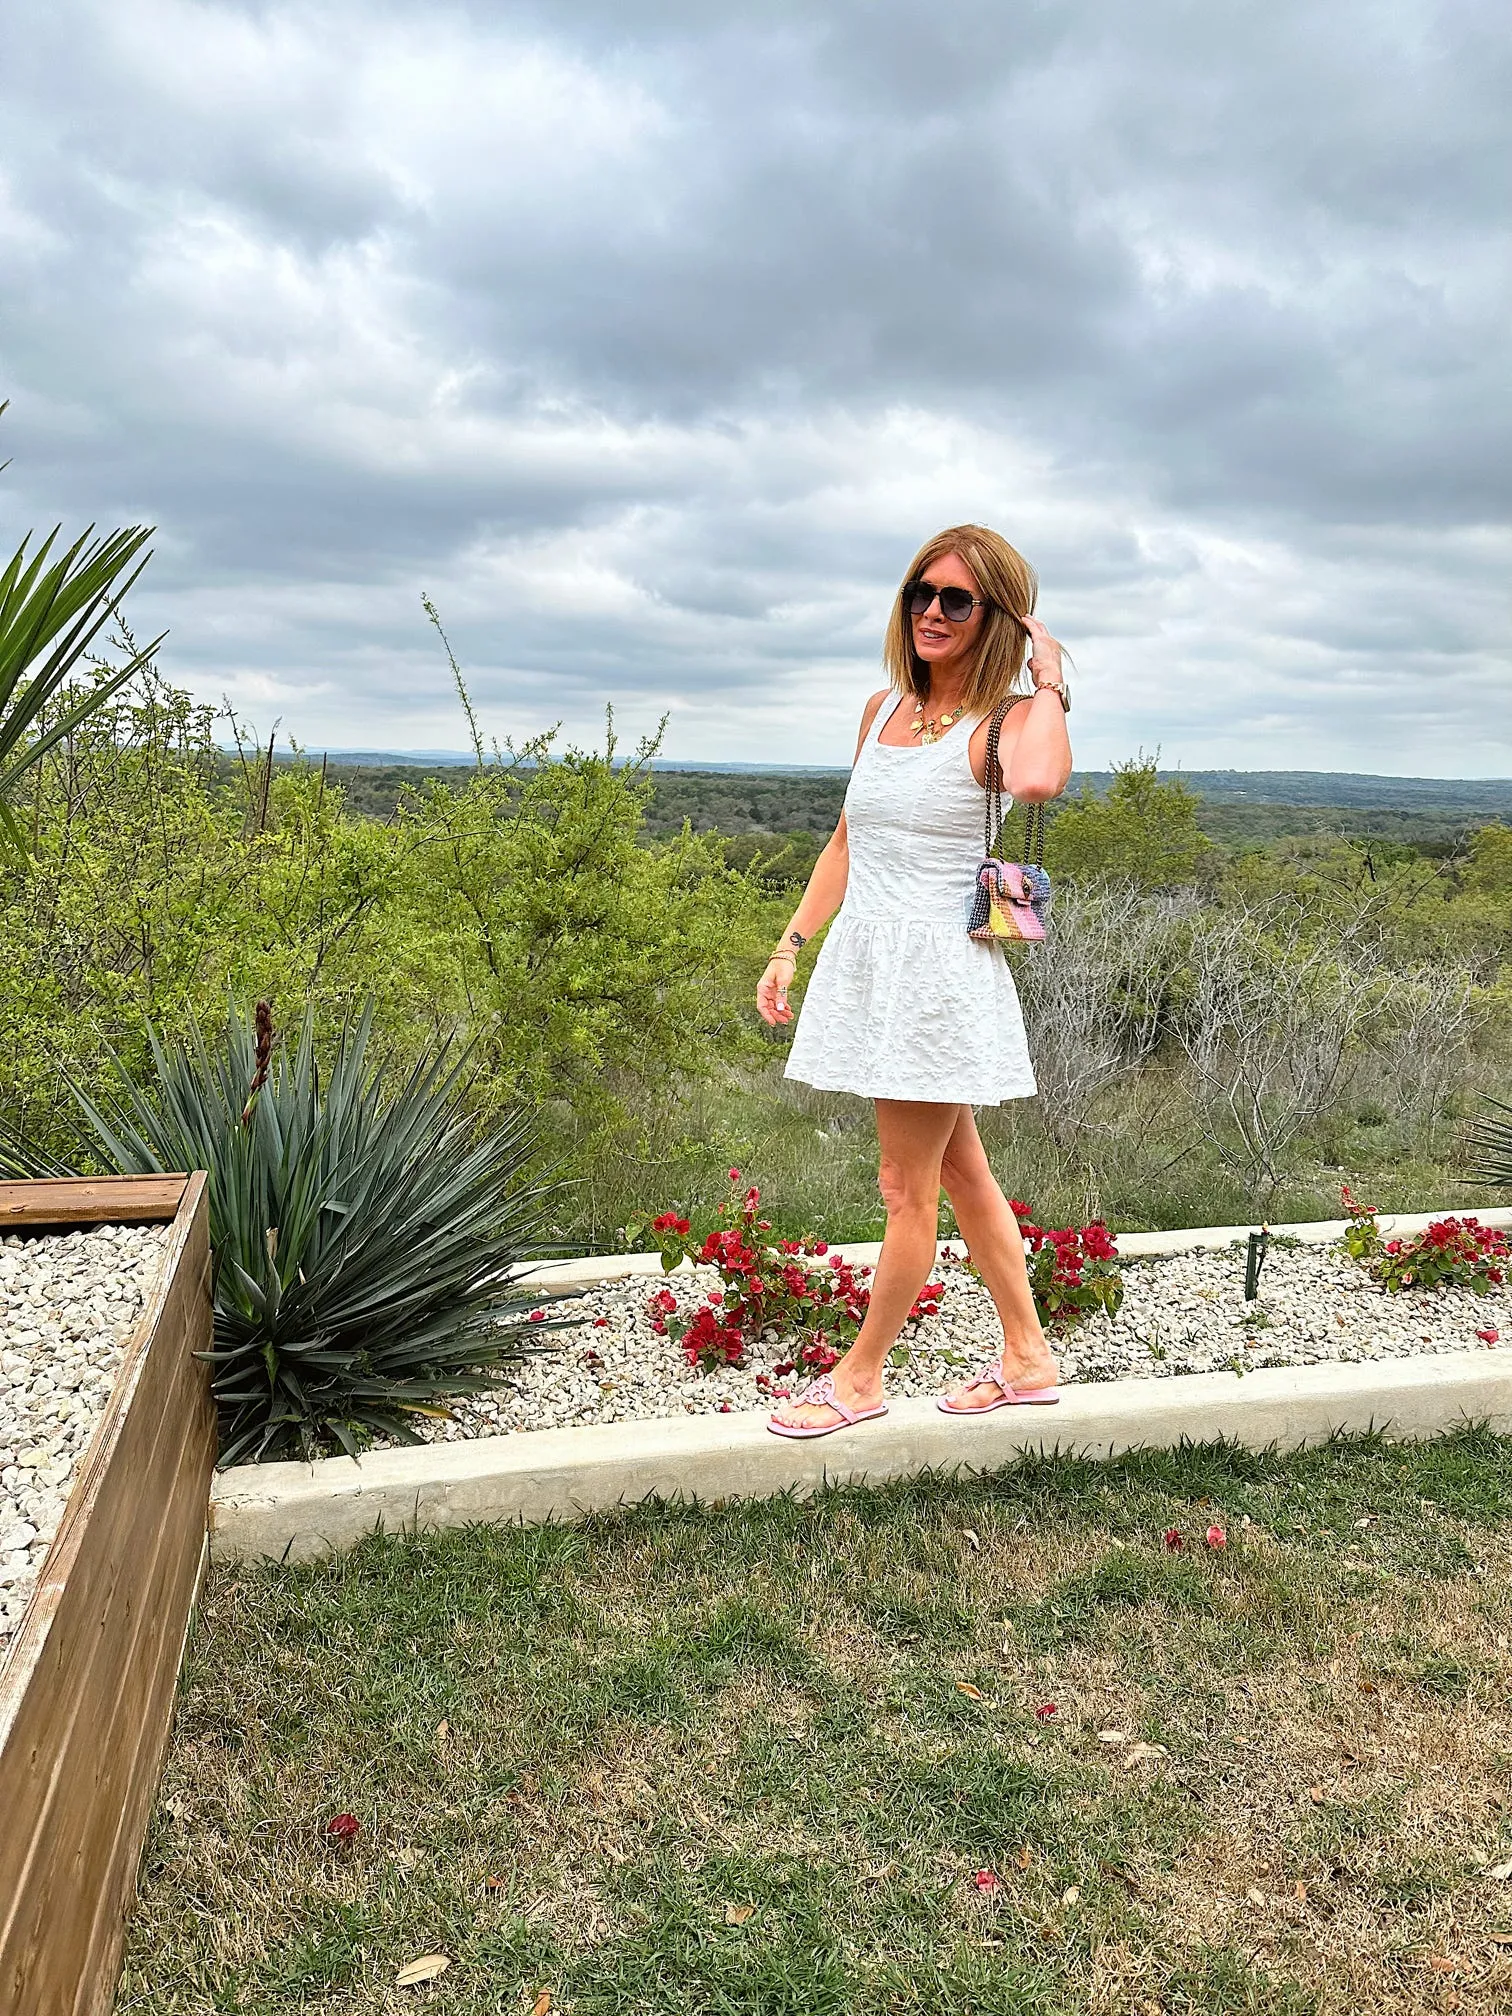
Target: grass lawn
x,y
749,1761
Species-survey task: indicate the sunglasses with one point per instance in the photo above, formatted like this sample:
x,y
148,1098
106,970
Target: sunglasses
x,y
956,604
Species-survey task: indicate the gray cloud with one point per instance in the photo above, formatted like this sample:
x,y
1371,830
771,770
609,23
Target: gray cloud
x,y
652,342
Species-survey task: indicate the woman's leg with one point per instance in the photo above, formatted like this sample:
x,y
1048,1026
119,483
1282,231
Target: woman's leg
x,y
997,1251
912,1134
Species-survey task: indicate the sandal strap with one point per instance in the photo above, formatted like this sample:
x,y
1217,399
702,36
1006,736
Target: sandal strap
x,y
991,1374
820,1392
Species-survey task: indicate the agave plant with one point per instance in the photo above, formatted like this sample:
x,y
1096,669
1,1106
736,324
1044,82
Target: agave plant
x,y
366,1234
1490,1145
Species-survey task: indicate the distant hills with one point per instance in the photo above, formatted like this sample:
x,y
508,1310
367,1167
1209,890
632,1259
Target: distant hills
x,y
1467,797
1452,798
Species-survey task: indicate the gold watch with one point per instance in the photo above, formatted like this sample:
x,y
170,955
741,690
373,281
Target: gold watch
x,y
1058,687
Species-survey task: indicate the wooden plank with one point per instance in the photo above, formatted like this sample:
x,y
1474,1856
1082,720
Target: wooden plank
x,y
86,1697
90,1200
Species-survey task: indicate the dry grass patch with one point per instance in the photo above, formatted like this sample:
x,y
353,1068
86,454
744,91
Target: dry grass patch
x,y
793,1759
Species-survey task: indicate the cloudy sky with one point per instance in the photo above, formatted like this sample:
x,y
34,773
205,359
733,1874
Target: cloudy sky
x,y
650,337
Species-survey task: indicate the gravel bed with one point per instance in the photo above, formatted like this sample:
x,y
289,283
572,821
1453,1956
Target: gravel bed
x,y
1179,1315
67,1304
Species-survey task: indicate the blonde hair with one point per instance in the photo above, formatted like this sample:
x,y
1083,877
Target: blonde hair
x,y
1009,586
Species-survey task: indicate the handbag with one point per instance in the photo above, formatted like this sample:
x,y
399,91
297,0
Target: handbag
x,y
1010,899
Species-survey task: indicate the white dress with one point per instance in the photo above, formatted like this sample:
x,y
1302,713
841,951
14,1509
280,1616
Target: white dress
x,y
901,1004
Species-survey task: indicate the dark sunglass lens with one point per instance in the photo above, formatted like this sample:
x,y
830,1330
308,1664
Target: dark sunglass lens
x,y
956,603
917,598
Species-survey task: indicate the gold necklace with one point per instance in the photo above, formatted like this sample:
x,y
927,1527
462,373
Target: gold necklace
x,y
931,730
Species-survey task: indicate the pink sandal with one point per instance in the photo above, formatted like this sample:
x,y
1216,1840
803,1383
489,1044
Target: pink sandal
x,y
991,1374
821,1393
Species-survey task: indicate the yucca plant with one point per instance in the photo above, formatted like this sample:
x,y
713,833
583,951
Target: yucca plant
x,y
365,1232
51,611
1490,1145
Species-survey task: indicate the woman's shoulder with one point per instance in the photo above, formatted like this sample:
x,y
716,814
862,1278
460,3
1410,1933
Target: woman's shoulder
x,y
869,715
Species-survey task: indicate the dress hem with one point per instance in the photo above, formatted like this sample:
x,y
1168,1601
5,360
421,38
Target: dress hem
x,y
918,1098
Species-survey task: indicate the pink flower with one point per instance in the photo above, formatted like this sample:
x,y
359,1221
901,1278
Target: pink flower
x,y
1173,1540
537,1316
344,1828
1487,1336
734,1175
1216,1537
1046,1712
985,1880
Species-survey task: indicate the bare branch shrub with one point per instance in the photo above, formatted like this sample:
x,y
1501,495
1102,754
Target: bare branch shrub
x,y
1092,995
1435,1015
1273,1027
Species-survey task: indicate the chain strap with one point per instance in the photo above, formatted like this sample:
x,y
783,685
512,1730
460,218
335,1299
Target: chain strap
x,y
1034,815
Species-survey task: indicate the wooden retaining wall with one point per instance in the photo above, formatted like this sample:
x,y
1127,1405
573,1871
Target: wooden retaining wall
x,y
86,1695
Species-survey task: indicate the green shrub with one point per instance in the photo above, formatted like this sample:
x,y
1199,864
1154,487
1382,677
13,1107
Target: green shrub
x,y
1144,832
364,1229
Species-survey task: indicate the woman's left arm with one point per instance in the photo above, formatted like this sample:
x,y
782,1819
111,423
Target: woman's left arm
x,y
1038,765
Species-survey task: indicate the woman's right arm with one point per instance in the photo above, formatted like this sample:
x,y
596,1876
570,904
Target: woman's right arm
x,y
822,897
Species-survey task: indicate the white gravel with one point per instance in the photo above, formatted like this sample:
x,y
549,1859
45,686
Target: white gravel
x,y
1184,1314
67,1304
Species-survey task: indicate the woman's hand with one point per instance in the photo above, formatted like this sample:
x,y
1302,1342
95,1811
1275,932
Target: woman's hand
x,y
1044,652
772,991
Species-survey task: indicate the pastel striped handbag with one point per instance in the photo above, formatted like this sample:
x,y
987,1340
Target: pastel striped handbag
x,y
1011,899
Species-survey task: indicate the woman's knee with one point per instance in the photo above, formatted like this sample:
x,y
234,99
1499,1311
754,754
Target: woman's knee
x,y
908,1186
966,1172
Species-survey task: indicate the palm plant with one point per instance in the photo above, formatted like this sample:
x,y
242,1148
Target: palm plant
x,y
51,611
1490,1145
365,1238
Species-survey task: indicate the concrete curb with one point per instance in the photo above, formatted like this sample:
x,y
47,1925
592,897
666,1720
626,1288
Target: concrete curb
x,y
300,1510
556,1275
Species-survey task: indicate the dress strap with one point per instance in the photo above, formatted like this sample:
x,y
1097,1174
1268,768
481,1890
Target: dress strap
x,y
883,715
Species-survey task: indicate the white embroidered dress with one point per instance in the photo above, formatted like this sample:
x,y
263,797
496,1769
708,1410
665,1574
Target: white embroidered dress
x,y
901,1004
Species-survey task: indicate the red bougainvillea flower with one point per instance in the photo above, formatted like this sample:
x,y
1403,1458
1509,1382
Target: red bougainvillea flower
x,y
1046,1712
1173,1540
734,1175
344,1828
1216,1537
538,1316
601,1322
1488,1336
985,1880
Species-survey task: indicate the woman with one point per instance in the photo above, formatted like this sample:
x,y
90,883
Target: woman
x,y
902,1006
